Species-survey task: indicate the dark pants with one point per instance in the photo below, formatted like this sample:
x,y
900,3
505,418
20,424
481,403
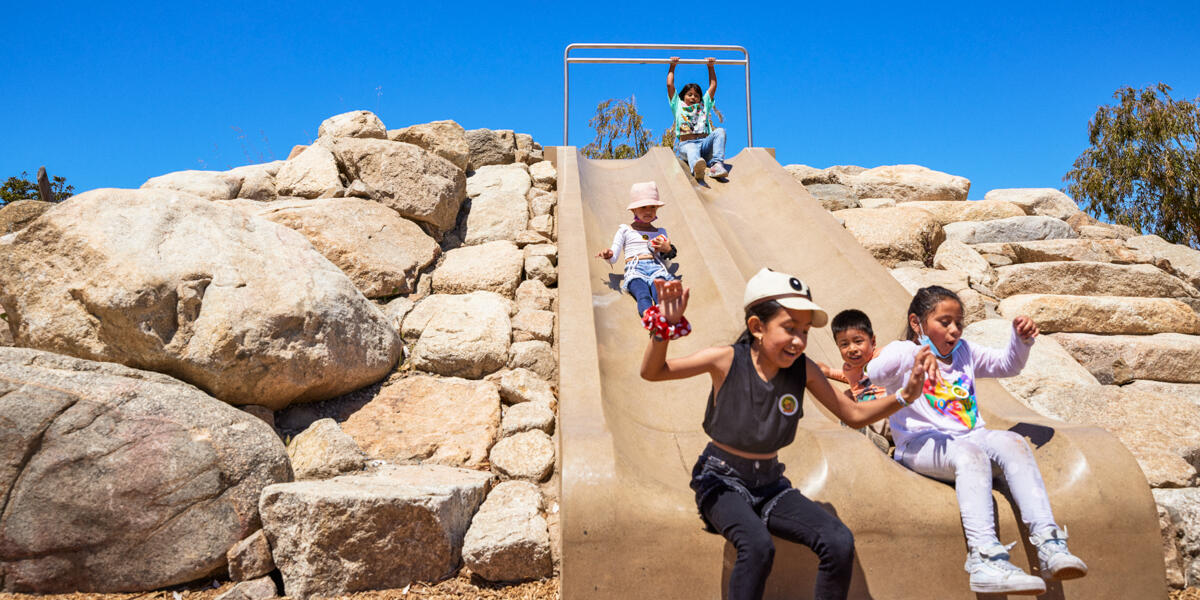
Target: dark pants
x,y
644,294
794,518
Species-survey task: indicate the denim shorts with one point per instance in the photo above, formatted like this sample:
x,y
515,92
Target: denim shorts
x,y
646,269
760,482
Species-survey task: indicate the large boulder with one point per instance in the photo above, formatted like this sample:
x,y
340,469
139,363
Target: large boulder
x,y
807,175
508,539
1103,314
1081,278
508,179
1037,201
1184,260
536,355
381,252
494,267
907,183
490,147
461,335
1009,229
974,210
1161,433
446,139
1109,251
915,278
1189,392
1121,358
210,185
496,215
1048,364
410,180
894,235
534,295
353,124
544,175
368,532
833,196
425,419
258,181
15,215
311,174
955,255
522,385
241,307
119,480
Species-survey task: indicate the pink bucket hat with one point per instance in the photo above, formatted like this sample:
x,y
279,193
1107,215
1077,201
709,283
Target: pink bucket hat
x,y
643,194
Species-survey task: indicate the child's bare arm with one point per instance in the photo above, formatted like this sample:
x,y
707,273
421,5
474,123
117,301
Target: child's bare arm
x,y
712,78
671,77
861,414
831,373
715,361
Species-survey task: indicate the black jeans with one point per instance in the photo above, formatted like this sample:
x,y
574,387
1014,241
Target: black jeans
x,y
789,515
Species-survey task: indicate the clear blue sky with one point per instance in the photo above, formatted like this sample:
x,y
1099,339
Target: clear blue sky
x,y
110,95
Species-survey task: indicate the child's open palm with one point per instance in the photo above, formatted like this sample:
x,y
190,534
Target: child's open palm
x,y
672,299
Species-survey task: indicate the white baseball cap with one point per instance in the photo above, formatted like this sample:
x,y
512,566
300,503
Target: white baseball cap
x,y
788,291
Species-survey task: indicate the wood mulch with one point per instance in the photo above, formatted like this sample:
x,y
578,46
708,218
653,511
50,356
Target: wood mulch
x,y
461,587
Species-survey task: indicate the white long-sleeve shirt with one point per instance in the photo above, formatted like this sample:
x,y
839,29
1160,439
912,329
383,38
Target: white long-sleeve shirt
x,y
950,406
629,242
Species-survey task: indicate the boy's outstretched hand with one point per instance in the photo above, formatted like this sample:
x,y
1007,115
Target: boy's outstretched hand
x,y
672,299
916,380
1025,327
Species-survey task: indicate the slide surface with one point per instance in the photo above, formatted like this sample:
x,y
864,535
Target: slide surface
x,y
629,523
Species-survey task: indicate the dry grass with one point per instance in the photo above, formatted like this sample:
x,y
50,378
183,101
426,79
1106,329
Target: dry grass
x,y
1186,594
461,587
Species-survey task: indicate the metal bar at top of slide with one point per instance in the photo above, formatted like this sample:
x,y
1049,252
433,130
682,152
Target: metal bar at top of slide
x,y
567,61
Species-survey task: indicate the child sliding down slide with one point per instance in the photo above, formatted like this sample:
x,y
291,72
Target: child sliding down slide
x,y
696,141
643,246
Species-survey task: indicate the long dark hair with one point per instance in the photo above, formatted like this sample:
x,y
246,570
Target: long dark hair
x,y
764,311
923,303
691,86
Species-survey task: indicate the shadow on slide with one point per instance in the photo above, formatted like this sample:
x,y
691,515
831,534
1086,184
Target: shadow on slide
x,y
629,523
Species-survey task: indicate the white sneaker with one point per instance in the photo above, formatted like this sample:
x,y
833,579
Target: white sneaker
x,y
1053,557
718,171
992,573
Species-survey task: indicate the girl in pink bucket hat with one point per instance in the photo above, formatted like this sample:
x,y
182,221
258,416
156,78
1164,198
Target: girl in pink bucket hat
x,y
643,247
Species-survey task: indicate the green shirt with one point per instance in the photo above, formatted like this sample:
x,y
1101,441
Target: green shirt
x,y
696,118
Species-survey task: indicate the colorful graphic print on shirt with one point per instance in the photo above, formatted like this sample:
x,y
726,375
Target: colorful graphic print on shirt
x,y
866,391
695,119
955,400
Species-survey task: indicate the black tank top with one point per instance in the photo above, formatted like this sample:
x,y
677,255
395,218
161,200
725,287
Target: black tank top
x,y
754,415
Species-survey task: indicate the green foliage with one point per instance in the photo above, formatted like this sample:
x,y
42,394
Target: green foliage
x,y
22,188
1143,166
619,131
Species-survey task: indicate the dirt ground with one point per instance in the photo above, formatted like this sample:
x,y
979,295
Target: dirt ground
x,y
463,586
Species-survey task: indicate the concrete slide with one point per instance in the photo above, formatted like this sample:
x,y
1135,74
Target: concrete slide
x,y
629,523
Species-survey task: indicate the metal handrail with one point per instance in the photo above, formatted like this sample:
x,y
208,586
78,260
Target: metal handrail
x,y
567,61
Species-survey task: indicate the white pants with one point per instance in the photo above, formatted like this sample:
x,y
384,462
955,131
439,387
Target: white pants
x,y
966,459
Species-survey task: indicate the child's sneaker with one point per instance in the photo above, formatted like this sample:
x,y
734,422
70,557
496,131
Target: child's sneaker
x,y
698,171
718,171
992,573
1054,559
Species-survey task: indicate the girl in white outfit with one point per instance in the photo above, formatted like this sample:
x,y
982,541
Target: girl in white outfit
x,y
941,435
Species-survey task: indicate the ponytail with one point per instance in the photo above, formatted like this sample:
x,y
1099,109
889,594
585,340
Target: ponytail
x,y
923,303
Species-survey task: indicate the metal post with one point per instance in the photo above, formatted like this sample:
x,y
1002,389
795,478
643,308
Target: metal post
x,y
567,60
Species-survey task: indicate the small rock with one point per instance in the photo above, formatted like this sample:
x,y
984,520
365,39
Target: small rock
x,y
522,385
972,210
311,174
807,175
955,255
876,203
250,558
496,215
528,456
323,451
544,176
1037,201
913,278
447,139
508,179
536,356
543,224
508,539
527,416
833,196
541,202
491,147
1079,278
1103,314
494,266
255,589
1120,358
1184,260
894,235
210,185
1011,229
533,294
907,183
533,325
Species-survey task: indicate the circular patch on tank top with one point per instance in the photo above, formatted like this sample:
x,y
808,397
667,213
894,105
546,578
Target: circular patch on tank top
x,y
788,404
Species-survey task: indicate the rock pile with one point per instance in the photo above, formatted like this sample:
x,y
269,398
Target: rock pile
x,y
291,289
1118,311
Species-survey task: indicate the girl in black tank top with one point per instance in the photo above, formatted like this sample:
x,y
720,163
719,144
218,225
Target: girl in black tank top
x,y
752,412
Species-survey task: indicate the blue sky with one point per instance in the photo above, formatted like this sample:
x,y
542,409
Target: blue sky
x,y
109,95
